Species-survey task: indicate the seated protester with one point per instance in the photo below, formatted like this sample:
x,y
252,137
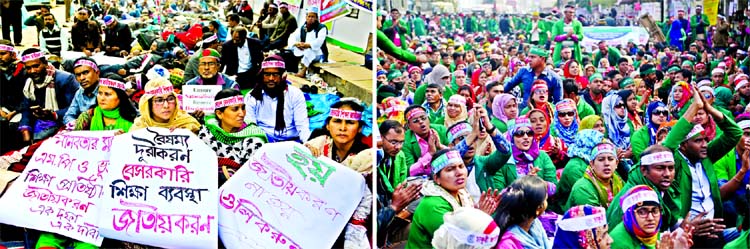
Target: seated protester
x,y
277,107
455,110
678,98
539,100
517,215
482,168
227,134
731,171
566,121
159,107
208,71
741,97
440,75
86,34
656,171
445,193
697,187
48,93
287,25
12,80
614,115
580,158
342,139
582,227
242,57
641,222
570,91
600,183
504,111
466,228
593,122
527,158
631,107
117,37
422,140
52,39
434,103
210,40
594,94
308,42
554,147
87,74
656,114
111,111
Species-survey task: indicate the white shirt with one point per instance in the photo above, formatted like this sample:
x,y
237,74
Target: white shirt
x,y
243,53
263,114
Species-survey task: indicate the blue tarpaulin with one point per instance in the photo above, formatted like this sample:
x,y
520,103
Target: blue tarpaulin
x,y
323,102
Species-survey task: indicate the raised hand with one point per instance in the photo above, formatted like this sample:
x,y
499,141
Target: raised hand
x,y
488,201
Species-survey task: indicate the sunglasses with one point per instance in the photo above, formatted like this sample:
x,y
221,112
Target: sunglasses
x,y
519,133
620,105
661,112
708,95
566,114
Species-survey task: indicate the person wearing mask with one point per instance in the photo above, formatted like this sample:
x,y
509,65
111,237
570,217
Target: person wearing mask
x,y
52,40
118,37
308,42
536,70
278,108
87,74
517,216
242,57
48,93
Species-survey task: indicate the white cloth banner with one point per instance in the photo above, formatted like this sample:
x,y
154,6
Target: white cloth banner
x,y
161,190
100,58
613,36
285,198
61,187
199,97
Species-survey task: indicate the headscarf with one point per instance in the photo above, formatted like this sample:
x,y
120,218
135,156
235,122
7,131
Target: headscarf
x,y
585,141
523,158
588,122
723,97
605,195
462,116
653,128
567,134
394,109
617,127
574,232
179,118
632,115
498,105
437,74
543,139
644,195
466,227
582,81
677,104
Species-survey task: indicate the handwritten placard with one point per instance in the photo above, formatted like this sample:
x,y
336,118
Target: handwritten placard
x,y
285,198
61,187
199,97
161,190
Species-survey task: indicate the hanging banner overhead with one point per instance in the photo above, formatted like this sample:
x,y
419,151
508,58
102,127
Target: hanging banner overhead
x,y
365,5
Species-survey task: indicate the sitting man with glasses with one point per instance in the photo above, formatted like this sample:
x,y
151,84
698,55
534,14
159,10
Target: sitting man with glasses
x,y
208,71
422,140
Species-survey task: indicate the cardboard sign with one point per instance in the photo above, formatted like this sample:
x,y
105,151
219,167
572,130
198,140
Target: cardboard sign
x,y
199,97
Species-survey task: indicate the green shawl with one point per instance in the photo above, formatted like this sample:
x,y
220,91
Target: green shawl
x,y
97,120
212,124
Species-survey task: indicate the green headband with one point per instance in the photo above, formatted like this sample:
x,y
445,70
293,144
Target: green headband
x,y
648,71
626,82
596,76
538,51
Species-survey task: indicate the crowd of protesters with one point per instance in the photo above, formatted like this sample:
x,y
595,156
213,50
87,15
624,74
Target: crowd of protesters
x,y
506,132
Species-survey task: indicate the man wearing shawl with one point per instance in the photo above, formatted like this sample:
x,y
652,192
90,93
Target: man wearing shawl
x,y
536,70
48,93
278,108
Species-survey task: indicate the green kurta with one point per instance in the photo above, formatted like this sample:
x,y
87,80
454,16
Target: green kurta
x,y
424,226
717,148
726,167
500,125
507,174
420,29
639,141
543,29
584,109
411,149
613,55
487,167
669,200
573,171
420,91
388,47
558,29
584,192
623,239
403,31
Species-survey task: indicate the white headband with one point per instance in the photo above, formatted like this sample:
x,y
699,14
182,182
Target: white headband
x,y
234,100
639,197
87,63
112,83
32,56
739,85
161,90
7,48
696,129
658,157
473,239
583,223
346,114
272,64
210,39
744,124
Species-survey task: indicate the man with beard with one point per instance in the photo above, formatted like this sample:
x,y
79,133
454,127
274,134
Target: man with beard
x,y
12,78
277,107
210,40
696,182
594,94
118,37
287,25
610,53
741,97
87,74
700,71
422,140
51,39
242,57
47,94
268,25
309,42
537,69
208,71
86,34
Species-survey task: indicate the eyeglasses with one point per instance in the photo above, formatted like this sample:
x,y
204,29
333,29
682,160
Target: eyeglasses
x,y
418,119
566,114
708,95
541,91
395,142
661,112
643,212
520,133
160,101
210,64
620,105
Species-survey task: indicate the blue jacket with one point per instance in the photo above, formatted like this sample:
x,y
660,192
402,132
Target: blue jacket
x,y
66,87
526,77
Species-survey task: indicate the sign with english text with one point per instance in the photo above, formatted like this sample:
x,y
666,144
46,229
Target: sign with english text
x,y
60,189
199,97
161,190
285,198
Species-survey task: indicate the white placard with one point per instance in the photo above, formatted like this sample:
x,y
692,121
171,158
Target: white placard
x,y
61,187
285,198
199,97
161,190
100,58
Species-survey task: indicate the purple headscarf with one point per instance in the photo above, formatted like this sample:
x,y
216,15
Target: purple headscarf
x,y
523,158
498,105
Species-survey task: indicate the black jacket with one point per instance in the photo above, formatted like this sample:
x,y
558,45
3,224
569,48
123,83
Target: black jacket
x,y
231,62
119,36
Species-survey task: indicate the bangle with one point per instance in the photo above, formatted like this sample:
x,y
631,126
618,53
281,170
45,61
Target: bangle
x,y
490,131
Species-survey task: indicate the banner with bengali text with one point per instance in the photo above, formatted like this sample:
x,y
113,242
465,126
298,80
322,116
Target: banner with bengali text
x,y
613,35
285,198
161,190
60,189
365,5
711,9
330,9
199,97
